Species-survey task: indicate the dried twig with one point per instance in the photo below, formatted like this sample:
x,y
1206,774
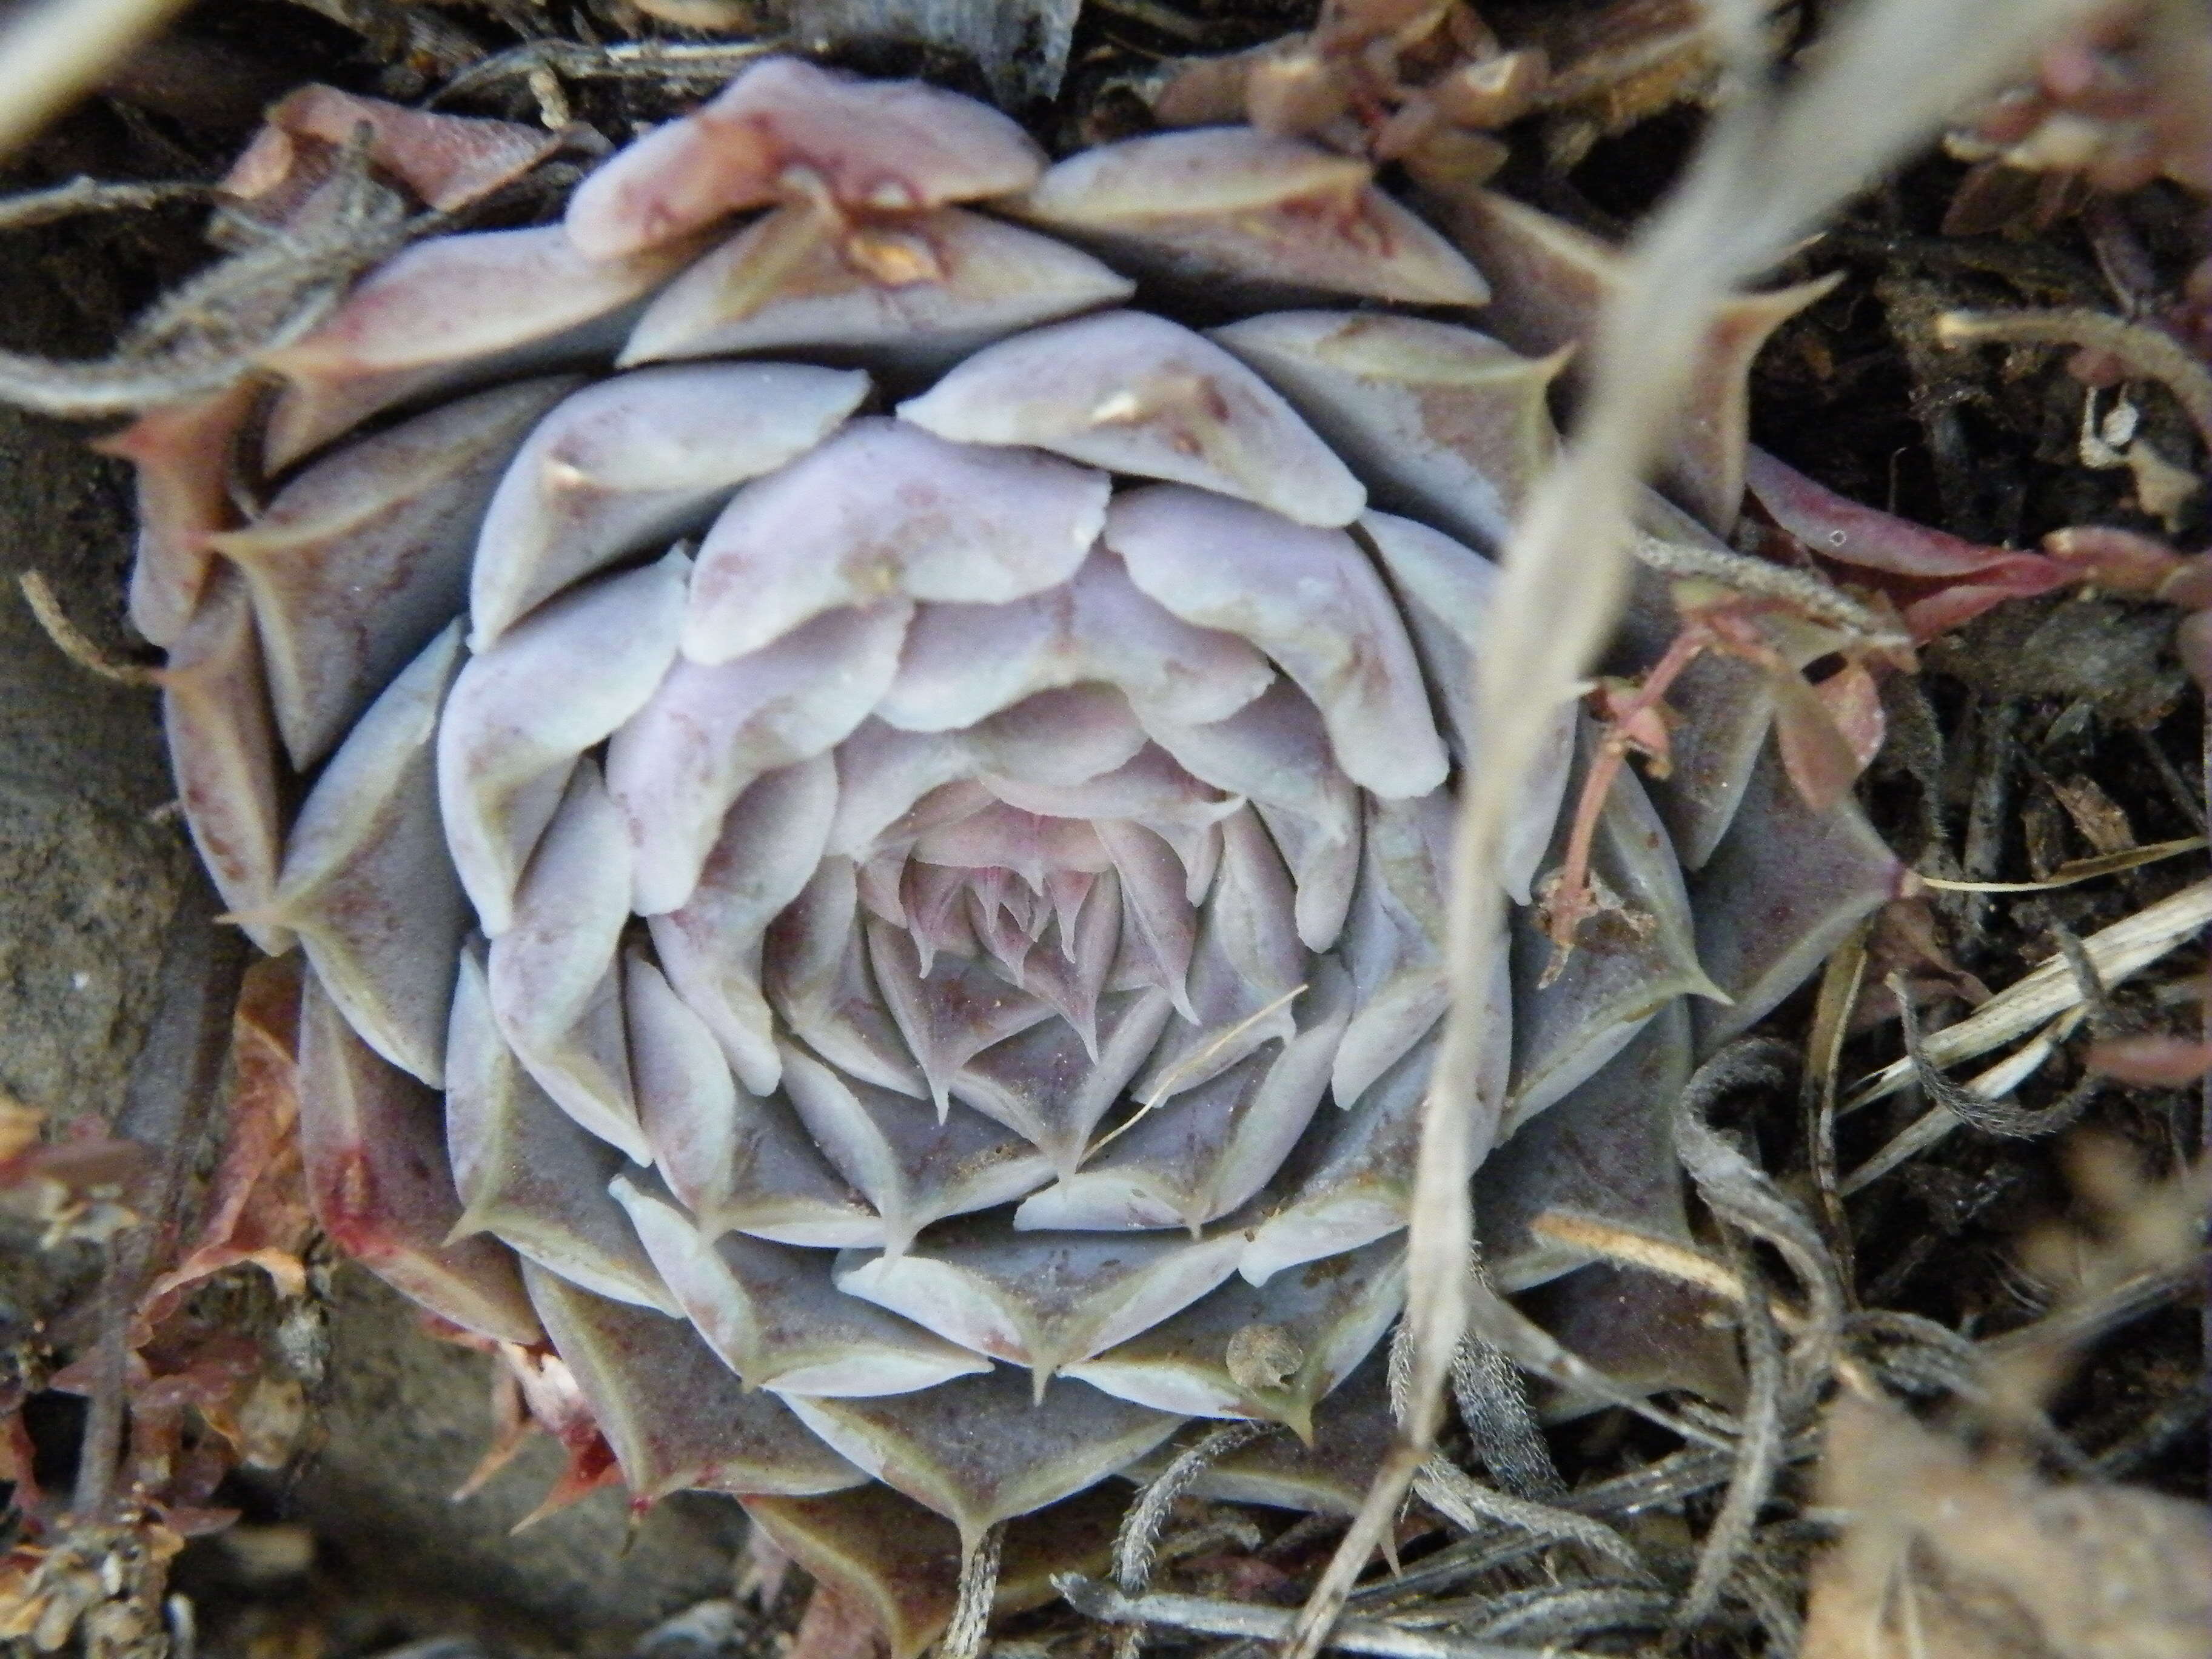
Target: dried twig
x,y
1212,1618
2150,352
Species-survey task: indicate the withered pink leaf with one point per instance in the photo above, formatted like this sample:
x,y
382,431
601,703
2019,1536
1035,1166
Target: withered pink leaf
x,y
1968,578
446,161
394,515
1135,394
183,454
379,1181
786,130
915,293
885,510
222,753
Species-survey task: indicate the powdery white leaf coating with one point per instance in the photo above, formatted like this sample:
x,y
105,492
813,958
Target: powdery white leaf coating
x,y
964,662
521,713
1310,600
776,1318
384,526
223,752
1136,393
977,1450
1041,1300
1331,1314
914,1169
368,883
768,846
182,453
528,1174
676,767
380,1184
885,511
1440,422
1444,592
786,130
555,980
674,1414
632,462
1272,214
916,295
451,312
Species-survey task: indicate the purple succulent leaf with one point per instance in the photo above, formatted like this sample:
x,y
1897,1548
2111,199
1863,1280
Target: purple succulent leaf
x,y
633,462
1646,1333
788,281
364,556
1445,591
223,752
774,1315
785,129
523,711
1209,1149
1393,939
965,663
1329,1477
1780,893
706,735
736,1159
368,883
1442,422
1310,600
674,1414
884,510
1331,1314
913,1165
377,1177
1607,1149
816,973
949,1011
555,987
1024,1082
182,453
528,1174
1137,394
1265,217
1628,962
450,312
979,1450
1042,1300
769,844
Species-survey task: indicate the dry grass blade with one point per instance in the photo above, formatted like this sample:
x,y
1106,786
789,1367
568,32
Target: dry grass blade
x,y
2078,870
2052,989
1211,1618
1758,1460
71,640
2149,352
51,54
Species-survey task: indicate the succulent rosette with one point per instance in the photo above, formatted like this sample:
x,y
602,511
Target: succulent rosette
x,y
873,813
